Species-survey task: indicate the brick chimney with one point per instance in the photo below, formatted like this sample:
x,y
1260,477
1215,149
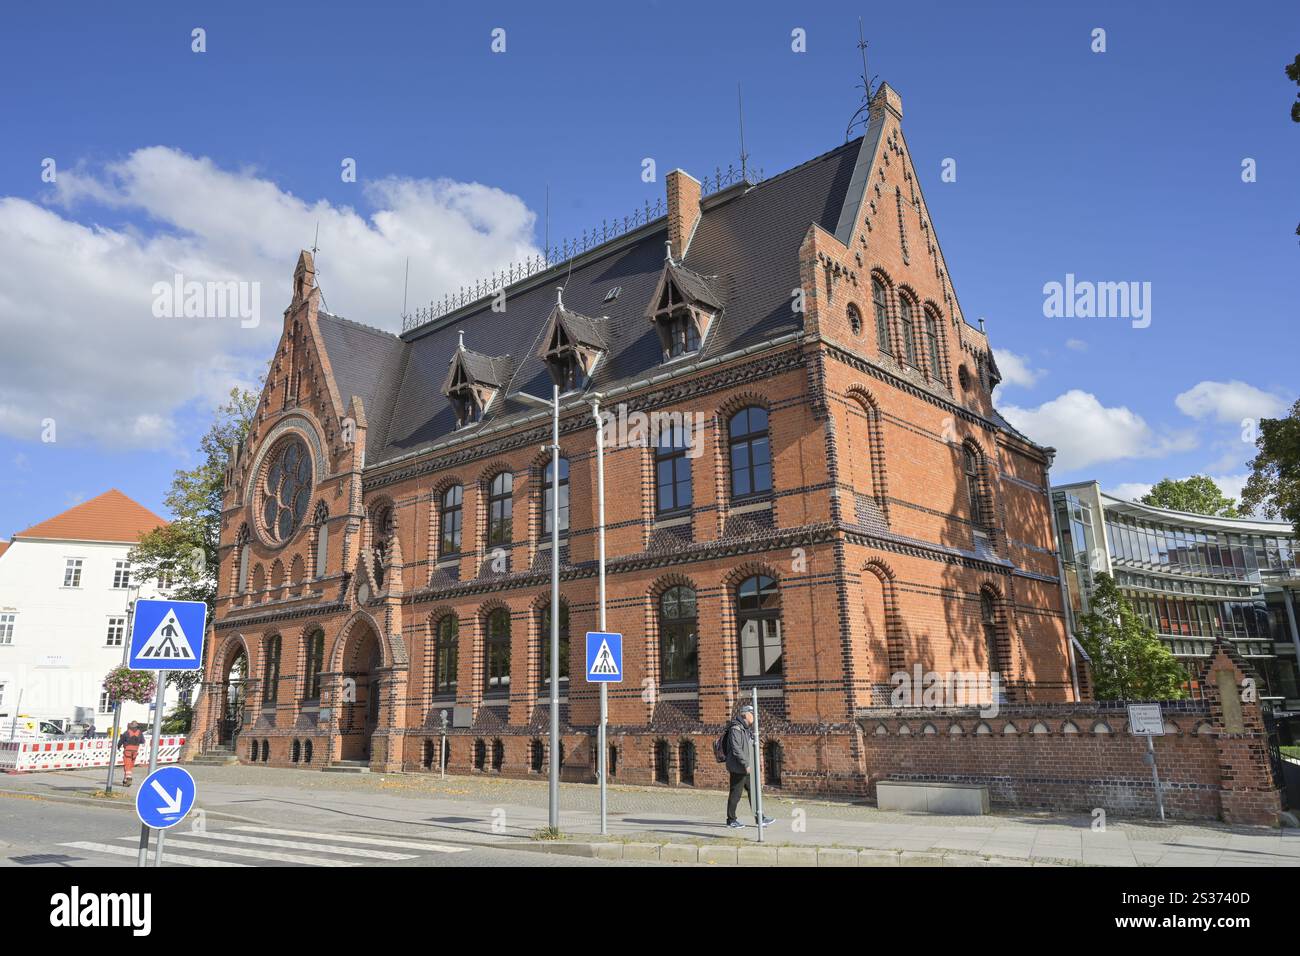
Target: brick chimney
x,y
683,209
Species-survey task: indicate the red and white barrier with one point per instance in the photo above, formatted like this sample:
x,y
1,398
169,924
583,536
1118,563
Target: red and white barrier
x,y
35,756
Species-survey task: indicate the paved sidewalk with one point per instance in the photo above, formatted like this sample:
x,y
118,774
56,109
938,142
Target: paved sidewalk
x,y
493,810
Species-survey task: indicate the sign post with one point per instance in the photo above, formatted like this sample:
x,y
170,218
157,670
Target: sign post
x,y
604,666
165,636
1147,719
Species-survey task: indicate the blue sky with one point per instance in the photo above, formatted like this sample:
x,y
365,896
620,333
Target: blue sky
x,y
1117,166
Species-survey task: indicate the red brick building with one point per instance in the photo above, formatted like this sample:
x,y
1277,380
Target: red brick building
x,y
839,501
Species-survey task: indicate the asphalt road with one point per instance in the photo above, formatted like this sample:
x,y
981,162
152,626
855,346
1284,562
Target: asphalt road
x,y
36,832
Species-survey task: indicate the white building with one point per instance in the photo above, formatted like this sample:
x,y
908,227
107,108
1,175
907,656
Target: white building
x,y
65,586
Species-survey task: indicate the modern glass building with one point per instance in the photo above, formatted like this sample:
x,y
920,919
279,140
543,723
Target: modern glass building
x,y
1194,578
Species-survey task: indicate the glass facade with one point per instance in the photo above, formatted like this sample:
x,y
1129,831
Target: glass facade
x,y
1192,582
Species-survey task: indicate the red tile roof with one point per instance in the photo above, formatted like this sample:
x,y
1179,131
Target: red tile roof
x,y
111,516
4,546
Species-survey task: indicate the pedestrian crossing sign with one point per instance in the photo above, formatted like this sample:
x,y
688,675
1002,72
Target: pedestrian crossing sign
x,y
604,658
167,635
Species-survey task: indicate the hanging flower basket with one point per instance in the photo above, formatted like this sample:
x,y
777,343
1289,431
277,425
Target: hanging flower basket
x,y
122,683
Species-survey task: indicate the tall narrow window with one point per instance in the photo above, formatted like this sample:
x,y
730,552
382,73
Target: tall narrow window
x,y
496,653
445,656
548,501
971,464
313,665
322,542
758,616
452,514
881,305
501,510
932,345
121,574
989,622
678,636
544,642
116,631
672,472
7,622
908,329
271,670
751,457
855,319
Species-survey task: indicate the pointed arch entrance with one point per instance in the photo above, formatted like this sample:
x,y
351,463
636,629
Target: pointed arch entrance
x,y
360,694
233,691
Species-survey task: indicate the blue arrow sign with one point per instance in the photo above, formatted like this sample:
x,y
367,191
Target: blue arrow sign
x,y
167,635
164,797
604,658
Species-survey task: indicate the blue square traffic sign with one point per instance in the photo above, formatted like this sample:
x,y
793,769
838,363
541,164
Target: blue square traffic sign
x,y
167,635
604,658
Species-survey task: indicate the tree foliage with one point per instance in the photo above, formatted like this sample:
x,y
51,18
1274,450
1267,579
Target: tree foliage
x,y
1273,487
1129,662
184,552
1197,494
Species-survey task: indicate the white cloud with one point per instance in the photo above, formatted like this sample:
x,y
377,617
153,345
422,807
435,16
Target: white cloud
x,y
1130,490
1077,345
1084,432
81,343
1016,370
1228,402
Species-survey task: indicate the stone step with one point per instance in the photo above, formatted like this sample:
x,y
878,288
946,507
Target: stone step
x,y
348,766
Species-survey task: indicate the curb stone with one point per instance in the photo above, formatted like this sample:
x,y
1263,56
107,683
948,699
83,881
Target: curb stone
x,y
835,856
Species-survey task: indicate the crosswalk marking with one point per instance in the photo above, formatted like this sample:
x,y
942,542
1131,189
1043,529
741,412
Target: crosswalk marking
x,y
186,844
368,841
296,845
175,858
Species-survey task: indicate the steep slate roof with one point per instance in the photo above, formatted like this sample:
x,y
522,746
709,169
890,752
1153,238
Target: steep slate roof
x,y
748,237
111,516
694,286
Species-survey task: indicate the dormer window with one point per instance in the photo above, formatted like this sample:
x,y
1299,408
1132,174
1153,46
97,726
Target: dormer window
x,y
473,382
682,309
572,347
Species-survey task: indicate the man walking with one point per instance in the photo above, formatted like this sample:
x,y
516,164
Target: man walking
x,y
130,742
740,755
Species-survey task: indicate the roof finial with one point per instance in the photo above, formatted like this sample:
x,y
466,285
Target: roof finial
x,y
981,323
740,112
866,88
668,256
559,296
461,346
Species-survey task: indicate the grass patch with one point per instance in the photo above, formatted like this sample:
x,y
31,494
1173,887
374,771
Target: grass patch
x,y
548,833
105,795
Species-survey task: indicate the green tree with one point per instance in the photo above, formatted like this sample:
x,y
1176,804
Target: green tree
x,y
184,552
1273,487
1129,662
1197,494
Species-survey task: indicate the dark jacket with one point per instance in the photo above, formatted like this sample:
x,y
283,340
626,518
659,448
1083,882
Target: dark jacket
x,y
131,738
740,746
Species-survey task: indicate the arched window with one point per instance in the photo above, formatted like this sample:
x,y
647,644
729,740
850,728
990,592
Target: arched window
x,y
548,504
989,623
758,618
445,656
907,330
271,669
245,554
322,542
544,645
678,636
501,510
686,763
932,345
313,664
672,472
855,319
751,456
496,653
881,305
971,466
451,517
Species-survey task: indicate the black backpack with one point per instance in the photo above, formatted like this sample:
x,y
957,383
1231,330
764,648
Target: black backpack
x,y
722,746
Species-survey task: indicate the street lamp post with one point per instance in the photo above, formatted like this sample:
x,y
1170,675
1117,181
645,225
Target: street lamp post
x,y
117,705
602,755
553,817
